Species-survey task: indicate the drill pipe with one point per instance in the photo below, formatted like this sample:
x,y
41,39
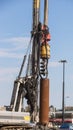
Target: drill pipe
x,y
36,13
44,101
45,12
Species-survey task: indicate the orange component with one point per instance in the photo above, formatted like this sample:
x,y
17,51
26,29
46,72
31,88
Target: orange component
x,y
45,37
45,34
44,27
48,37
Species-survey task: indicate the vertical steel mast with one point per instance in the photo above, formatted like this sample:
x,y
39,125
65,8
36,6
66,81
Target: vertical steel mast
x,y
35,51
35,46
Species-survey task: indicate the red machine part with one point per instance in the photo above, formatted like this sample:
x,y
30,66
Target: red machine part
x,y
45,34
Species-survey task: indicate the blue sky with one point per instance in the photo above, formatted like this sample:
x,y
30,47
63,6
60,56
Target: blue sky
x,y
15,28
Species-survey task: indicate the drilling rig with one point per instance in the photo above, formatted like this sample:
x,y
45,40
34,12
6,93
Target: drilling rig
x,y
36,74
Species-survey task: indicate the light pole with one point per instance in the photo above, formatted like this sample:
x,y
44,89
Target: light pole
x,y
63,90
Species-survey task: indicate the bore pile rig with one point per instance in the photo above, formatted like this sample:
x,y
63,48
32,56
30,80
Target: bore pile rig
x,y
36,71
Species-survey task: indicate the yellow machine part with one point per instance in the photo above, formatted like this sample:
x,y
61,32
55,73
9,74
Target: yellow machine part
x,y
45,51
27,118
36,4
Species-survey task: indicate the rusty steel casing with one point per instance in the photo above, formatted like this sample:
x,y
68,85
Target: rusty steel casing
x,y
44,101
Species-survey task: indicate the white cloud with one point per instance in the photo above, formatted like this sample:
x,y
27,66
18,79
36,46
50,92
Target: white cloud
x,y
7,73
10,46
7,54
4,71
15,39
17,42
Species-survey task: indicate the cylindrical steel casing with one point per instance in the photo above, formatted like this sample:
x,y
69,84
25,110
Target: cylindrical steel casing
x,y
44,101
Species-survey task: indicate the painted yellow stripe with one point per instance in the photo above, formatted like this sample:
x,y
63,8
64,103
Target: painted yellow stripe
x,y
27,118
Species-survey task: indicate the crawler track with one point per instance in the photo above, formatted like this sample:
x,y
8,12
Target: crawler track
x,y
16,127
